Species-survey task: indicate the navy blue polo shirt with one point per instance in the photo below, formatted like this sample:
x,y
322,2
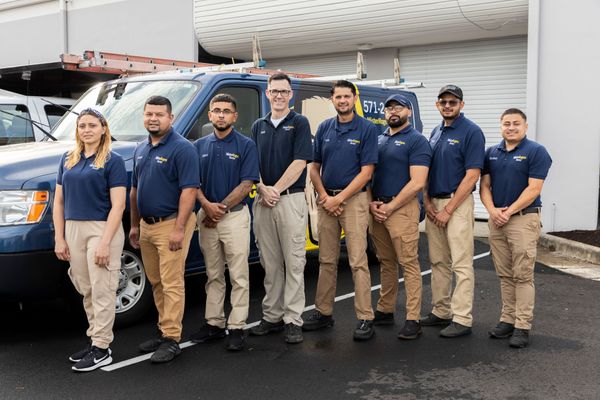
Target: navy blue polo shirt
x,y
510,170
225,163
397,153
161,172
455,149
279,147
86,188
343,148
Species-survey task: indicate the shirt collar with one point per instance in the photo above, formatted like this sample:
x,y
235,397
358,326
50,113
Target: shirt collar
x,y
502,145
290,115
162,140
346,127
456,123
226,139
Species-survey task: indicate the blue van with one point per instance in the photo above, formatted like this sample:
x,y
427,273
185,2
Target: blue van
x,y
28,265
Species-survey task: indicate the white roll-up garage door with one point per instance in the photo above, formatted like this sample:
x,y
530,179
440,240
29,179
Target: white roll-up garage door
x,y
492,74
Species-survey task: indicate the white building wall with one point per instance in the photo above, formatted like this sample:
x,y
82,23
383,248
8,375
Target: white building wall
x,y
32,34
567,109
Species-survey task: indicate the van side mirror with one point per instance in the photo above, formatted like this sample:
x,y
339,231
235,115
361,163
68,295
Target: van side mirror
x,y
207,129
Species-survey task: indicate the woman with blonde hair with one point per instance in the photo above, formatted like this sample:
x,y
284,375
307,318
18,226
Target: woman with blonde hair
x,y
88,209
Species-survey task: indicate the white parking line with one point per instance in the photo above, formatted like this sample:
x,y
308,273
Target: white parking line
x,y
144,357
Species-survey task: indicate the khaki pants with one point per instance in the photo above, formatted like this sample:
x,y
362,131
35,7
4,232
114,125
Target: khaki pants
x,y
165,271
514,248
451,251
355,222
281,239
396,242
228,243
97,285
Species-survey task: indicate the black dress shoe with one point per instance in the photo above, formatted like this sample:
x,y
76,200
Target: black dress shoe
x,y
502,330
432,320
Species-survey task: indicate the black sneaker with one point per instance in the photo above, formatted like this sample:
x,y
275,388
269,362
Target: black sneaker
x,y
364,330
207,333
76,357
293,333
410,330
432,320
502,330
235,340
519,339
383,318
167,351
152,344
455,330
317,321
95,358
266,327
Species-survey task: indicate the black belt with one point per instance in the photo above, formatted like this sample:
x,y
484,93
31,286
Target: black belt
x,y
385,199
291,191
335,192
529,210
237,207
155,220
443,196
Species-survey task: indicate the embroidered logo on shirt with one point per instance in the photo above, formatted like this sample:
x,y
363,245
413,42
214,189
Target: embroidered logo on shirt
x,y
452,142
399,142
353,142
205,155
288,128
519,158
232,156
92,166
262,132
160,160
493,158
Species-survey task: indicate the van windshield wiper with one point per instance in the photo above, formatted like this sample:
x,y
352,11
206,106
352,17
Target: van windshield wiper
x,y
34,123
60,106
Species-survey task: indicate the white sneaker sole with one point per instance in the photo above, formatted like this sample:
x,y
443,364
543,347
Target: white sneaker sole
x,y
102,363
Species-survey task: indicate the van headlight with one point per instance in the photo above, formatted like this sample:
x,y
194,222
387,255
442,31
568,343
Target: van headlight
x,y
19,207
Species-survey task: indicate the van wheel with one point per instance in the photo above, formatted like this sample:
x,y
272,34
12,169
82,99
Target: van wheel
x,y
134,293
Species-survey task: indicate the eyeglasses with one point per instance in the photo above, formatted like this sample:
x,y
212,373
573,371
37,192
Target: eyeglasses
x,y
276,92
451,103
396,108
226,112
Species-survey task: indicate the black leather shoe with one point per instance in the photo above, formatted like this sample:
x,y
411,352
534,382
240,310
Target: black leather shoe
x,y
235,340
293,333
167,351
207,333
383,318
502,330
455,330
364,330
317,321
432,320
519,339
266,327
410,330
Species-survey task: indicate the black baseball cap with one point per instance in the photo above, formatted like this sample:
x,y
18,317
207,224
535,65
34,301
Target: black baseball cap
x,y
453,90
400,99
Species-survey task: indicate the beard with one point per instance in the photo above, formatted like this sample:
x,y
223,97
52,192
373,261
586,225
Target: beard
x,y
397,122
156,132
221,128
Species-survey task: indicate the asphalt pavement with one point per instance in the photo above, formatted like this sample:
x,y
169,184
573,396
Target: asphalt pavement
x,y
562,362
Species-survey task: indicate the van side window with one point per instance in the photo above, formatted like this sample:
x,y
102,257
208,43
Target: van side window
x,y
54,113
14,124
248,108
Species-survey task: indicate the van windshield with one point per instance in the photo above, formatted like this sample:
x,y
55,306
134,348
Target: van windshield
x,y
123,106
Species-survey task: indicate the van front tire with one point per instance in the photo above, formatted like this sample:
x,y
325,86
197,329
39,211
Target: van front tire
x,y
134,293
